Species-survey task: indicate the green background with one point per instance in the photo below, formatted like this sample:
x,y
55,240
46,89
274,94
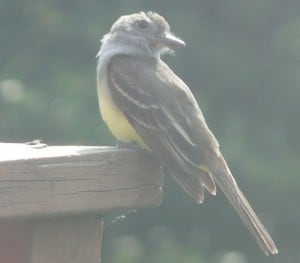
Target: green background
x,y
242,62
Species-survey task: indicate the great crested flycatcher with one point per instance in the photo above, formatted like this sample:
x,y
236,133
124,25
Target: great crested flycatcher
x,y
142,100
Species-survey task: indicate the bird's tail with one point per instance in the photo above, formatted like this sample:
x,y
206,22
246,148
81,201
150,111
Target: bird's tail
x,y
228,185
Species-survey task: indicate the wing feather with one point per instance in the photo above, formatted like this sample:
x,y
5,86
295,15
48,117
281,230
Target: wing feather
x,y
166,130
166,116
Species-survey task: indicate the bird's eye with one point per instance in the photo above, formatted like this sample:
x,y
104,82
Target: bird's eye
x,y
142,24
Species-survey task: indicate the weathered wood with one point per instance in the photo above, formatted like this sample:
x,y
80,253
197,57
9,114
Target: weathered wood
x,y
73,239
37,181
39,184
15,241
67,240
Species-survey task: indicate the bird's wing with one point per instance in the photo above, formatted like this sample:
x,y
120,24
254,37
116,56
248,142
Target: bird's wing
x,y
166,116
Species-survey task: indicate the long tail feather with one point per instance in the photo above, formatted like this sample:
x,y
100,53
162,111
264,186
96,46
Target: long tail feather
x,y
239,202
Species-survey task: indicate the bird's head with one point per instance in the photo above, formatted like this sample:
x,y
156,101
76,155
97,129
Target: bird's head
x,y
142,34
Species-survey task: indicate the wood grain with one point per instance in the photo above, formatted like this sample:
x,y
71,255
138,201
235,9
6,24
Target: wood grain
x,y
67,240
70,180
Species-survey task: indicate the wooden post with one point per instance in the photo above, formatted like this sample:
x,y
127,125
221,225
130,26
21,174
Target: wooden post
x,y
51,198
68,239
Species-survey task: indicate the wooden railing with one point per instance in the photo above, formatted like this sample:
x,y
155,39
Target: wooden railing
x,y
52,198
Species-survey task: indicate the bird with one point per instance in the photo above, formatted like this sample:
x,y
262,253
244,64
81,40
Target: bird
x,y
143,101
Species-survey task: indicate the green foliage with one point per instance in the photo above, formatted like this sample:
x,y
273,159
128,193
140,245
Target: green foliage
x,y
242,63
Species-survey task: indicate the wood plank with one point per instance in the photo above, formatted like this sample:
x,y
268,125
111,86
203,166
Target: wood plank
x,y
15,241
67,180
67,239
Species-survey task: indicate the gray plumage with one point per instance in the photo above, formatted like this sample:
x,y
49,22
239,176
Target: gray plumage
x,y
164,113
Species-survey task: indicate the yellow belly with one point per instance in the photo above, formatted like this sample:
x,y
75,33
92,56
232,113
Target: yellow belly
x,y
115,119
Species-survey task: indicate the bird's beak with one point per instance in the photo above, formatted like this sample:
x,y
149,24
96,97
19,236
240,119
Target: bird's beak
x,y
171,41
